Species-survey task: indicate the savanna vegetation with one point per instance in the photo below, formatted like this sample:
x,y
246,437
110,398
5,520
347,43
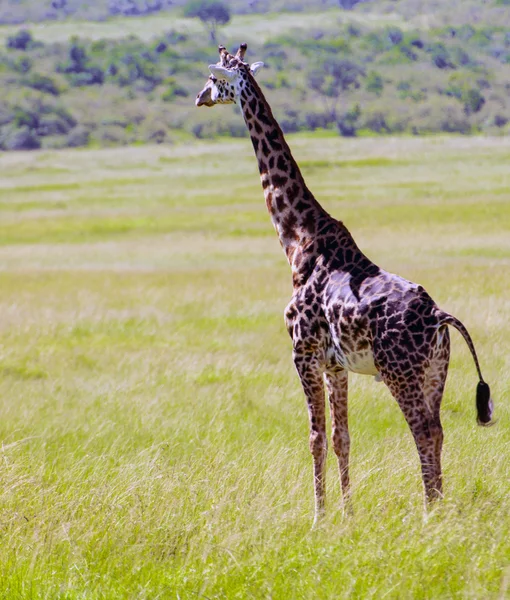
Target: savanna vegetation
x,y
154,432
379,68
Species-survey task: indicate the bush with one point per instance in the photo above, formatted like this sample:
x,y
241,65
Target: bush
x,y
21,65
376,121
19,139
62,114
395,35
91,76
52,126
347,4
374,83
461,57
41,83
452,122
20,41
417,43
315,120
408,53
78,137
348,123
441,57
26,118
473,101
500,120
465,89
290,122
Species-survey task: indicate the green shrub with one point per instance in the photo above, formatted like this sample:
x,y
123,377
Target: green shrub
x,y
466,89
61,113
53,125
473,100
22,40
376,121
461,57
482,37
12,138
440,56
348,123
91,76
22,64
374,83
26,118
397,55
173,90
395,35
78,137
42,83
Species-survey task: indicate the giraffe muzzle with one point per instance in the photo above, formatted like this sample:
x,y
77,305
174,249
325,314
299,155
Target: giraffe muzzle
x,y
204,98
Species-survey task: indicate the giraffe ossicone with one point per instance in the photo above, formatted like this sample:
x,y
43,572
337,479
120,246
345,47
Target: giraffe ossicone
x,y
346,313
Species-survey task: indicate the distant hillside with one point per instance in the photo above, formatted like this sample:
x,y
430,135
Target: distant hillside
x,y
430,12
22,11
358,72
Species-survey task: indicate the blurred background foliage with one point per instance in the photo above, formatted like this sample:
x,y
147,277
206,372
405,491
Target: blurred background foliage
x,y
337,67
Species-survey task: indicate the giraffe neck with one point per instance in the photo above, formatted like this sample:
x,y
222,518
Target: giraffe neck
x,y
295,213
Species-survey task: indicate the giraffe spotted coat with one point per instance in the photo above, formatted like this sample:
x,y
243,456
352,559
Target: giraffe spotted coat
x,y
346,313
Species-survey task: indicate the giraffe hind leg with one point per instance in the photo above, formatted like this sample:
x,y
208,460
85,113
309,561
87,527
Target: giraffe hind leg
x,y
425,426
435,380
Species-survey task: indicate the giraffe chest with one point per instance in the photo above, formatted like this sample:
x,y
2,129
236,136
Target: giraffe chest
x,y
338,338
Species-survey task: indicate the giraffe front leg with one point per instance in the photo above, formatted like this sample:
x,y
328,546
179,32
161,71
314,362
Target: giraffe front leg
x,y
337,386
310,375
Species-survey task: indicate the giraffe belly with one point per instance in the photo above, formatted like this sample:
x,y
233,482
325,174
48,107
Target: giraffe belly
x,y
361,362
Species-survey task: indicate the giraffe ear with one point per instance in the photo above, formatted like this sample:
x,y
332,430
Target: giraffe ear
x,y
222,73
255,68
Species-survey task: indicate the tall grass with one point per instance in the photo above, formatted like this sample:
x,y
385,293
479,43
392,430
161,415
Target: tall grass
x,y
154,434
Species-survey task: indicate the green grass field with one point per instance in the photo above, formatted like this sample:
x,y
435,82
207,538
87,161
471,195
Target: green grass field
x,y
154,433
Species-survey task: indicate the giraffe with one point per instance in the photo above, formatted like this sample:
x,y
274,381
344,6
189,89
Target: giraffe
x,y
346,314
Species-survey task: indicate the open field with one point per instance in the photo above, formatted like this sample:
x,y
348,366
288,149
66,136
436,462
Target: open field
x,y
254,26
93,20
154,433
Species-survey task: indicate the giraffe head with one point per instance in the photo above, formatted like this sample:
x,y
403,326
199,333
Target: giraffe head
x,y
227,78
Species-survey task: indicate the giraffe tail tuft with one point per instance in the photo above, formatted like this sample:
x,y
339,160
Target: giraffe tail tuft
x,y
484,404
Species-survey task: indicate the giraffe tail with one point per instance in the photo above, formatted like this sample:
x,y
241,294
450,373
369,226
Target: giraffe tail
x,y
484,402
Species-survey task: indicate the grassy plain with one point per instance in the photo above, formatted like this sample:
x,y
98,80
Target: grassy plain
x,y
154,434
241,26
